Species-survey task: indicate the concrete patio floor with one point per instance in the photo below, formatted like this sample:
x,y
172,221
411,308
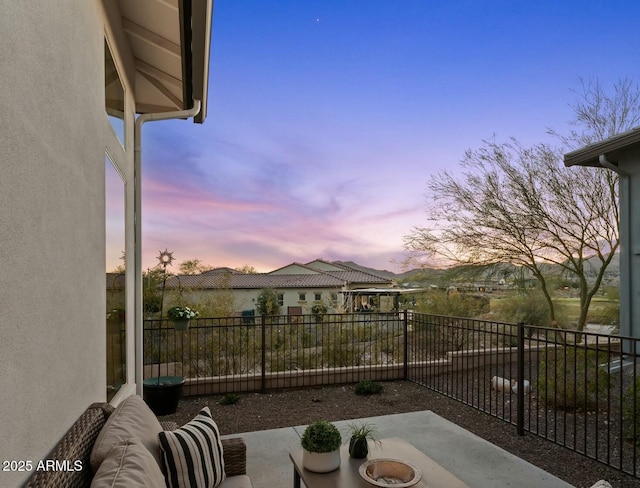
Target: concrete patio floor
x,y
474,460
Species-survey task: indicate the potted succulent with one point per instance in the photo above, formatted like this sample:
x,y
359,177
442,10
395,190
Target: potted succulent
x,y
360,435
321,442
181,316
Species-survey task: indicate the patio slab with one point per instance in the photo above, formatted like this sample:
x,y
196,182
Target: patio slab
x,y
474,460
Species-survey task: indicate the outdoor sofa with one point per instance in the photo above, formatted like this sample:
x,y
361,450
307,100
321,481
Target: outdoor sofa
x,y
128,447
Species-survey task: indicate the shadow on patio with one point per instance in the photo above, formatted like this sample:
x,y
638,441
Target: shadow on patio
x,y
280,412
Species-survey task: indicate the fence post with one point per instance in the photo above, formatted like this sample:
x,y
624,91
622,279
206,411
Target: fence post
x,y
405,323
263,360
520,380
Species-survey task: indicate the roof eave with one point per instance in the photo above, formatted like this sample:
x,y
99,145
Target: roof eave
x,y
611,148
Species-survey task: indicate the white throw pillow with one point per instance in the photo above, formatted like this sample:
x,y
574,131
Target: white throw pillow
x,y
192,454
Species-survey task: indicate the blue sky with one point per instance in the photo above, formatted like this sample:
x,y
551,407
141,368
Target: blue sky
x,y
326,119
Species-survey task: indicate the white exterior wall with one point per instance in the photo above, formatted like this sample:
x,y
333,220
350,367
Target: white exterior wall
x,y
247,299
52,222
630,244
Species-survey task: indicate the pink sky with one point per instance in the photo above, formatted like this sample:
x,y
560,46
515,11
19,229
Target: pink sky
x,y
326,119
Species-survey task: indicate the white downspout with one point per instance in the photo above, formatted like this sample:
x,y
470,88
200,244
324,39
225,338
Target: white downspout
x,y
137,166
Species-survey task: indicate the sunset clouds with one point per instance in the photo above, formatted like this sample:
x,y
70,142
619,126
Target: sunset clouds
x,y
322,134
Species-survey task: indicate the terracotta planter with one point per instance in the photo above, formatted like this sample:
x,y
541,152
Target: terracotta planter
x,y
321,462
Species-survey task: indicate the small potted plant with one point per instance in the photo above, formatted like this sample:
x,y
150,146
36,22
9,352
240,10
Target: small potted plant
x,y
180,316
360,435
321,443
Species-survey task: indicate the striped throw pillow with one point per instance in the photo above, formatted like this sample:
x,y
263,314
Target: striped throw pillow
x,y
192,454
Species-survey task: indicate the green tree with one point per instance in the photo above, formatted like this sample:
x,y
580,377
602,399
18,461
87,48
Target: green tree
x,y
193,266
520,205
247,269
151,290
268,302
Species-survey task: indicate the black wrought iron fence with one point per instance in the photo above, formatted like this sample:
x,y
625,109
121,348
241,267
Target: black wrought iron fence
x,y
578,390
256,353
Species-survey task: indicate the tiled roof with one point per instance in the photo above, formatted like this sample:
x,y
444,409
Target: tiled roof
x,y
257,281
335,275
357,276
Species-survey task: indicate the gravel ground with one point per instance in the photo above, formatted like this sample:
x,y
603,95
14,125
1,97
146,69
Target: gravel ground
x,y
260,411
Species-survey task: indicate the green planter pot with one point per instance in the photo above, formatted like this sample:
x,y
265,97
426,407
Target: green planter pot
x,y
163,393
181,324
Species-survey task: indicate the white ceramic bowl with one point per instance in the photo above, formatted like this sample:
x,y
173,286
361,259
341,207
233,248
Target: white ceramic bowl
x,y
390,473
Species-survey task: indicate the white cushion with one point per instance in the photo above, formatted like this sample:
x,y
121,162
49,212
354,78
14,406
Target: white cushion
x,y
192,454
132,418
128,465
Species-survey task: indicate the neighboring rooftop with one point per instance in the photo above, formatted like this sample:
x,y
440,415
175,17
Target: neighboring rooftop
x,y
315,274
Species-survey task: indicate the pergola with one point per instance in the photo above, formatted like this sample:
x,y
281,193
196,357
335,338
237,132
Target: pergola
x,y
621,154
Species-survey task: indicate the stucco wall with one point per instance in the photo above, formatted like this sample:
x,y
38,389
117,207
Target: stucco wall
x,y
52,348
630,244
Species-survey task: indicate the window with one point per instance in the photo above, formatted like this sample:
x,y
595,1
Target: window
x,y
115,278
317,297
302,297
281,299
113,94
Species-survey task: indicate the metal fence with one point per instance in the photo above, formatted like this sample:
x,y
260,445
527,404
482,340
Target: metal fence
x,y
258,353
578,390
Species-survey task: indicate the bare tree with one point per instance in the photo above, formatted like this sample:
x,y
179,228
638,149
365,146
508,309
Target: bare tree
x,y
520,205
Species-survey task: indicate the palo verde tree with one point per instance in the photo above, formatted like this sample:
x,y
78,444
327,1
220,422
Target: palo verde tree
x,y
520,205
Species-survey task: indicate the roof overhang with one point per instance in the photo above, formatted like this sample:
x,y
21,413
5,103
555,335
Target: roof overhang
x,y
611,148
170,42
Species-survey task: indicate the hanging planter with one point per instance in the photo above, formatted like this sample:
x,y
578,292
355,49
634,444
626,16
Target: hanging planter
x,y
181,317
182,324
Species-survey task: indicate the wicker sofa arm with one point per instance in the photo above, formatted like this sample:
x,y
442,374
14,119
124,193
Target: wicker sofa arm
x,y
235,456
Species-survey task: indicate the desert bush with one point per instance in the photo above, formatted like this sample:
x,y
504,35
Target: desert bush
x,y
368,387
528,307
606,315
229,399
454,304
571,379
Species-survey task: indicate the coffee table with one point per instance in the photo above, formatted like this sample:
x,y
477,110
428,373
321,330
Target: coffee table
x,y
347,476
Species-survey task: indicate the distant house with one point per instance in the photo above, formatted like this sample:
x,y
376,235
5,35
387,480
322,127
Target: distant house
x,y
339,287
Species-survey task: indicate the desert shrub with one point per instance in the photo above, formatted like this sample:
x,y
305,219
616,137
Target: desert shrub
x,y
571,379
530,307
368,387
607,315
631,412
229,399
454,304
